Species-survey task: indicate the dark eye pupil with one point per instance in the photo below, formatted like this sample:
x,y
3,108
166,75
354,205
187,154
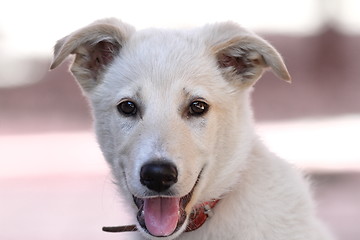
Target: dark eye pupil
x,y
127,108
198,108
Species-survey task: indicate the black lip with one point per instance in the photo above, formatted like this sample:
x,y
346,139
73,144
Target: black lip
x,y
184,201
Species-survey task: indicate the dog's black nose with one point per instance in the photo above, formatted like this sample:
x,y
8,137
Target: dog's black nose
x,y
158,176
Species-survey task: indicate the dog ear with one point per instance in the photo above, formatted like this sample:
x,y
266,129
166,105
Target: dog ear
x,y
242,55
94,47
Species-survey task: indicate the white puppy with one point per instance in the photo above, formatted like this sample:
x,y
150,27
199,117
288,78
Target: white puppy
x,y
173,120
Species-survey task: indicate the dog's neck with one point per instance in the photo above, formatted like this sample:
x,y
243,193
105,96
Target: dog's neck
x,y
197,218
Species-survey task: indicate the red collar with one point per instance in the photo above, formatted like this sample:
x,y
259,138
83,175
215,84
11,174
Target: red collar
x,y
197,218
200,214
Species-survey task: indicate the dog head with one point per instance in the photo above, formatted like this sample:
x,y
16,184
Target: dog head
x,y
171,111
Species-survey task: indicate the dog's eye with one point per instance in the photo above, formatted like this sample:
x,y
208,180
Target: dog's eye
x,y
198,108
127,108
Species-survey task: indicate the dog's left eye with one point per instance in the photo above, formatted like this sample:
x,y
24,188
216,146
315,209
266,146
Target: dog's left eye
x,y
198,108
127,108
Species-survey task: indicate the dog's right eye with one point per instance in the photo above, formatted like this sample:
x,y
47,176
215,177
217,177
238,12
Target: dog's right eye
x,y
127,108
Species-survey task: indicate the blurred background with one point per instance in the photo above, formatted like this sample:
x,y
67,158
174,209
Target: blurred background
x,y
54,183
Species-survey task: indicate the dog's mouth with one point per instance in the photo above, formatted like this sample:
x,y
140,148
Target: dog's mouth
x,y
162,216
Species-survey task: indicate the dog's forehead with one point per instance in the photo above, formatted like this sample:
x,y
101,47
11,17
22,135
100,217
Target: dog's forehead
x,y
166,39
163,51
160,58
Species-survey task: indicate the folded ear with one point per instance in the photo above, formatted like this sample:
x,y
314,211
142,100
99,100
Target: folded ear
x,y
95,47
243,56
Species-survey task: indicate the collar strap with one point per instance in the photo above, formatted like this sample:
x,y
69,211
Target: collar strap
x,y
197,218
200,214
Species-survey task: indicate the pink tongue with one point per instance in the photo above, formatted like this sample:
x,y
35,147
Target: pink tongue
x,y
161,215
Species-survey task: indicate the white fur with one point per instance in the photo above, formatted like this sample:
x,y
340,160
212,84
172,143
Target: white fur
x,y
162,71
